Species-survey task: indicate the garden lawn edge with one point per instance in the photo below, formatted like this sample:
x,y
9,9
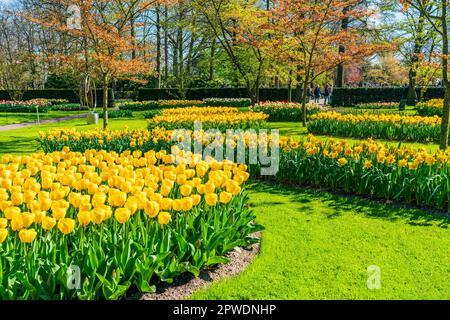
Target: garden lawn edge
x,y
184,286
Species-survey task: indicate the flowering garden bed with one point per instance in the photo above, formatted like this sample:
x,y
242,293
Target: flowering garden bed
x,y
125,221
379,126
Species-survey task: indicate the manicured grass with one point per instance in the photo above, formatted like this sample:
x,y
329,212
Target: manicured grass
x,y
13,118
297,131
319,246
24,141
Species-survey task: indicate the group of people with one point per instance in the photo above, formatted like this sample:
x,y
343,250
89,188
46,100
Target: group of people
x,y
315,93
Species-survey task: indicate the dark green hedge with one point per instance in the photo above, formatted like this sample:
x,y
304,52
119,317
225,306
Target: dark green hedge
x,y
266,94
349,97
68,94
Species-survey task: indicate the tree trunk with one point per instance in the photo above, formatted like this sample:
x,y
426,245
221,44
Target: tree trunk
x,y
298,88
180,54
411,98
158,48
133,37
446,110
212,60
166,44
340,77
105,102
277,81
289,97
304,93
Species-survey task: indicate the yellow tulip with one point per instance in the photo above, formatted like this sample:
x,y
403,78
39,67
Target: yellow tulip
x,y
45,204
11,212
48,223
27,219
27,235
187,204
225,197
29,196
17,198
38,216
132,205
211,199
156,197
117,198
164,217
201,170
59,213
3,235
196,198
17,222
201,188
3,223
98,200
66,225
165,190
151,209
210,187
84,218
98,215
181,179
177,205
166,204
122,215
186,190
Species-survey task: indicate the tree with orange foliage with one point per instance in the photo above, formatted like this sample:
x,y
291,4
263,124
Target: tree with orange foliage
x,y
305,34
103,37
437,13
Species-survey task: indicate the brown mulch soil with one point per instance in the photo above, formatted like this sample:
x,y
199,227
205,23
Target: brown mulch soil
x,y
186,285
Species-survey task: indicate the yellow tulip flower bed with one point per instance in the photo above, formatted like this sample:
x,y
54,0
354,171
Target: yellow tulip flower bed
x,y
117,140
220,118
379,126
131,140
125,221
431,107
370,169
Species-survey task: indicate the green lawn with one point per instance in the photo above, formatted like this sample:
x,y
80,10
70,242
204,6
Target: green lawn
x,y
319,246
23,141
13,118
297,131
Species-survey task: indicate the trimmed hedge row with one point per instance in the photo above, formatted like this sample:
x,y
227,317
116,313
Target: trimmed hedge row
x,y
265,94
68,94
349,97
342,97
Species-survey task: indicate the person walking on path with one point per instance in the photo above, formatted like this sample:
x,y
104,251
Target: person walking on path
x,y
317,94
327,94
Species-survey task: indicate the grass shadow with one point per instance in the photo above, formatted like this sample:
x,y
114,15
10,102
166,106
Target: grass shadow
x,y
340,204
18,145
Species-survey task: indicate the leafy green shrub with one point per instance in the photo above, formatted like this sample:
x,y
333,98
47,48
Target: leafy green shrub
x,y
228,102
377,105
137,105
152,113
113,114
68,107
167,104
349,97
30,106
285,111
